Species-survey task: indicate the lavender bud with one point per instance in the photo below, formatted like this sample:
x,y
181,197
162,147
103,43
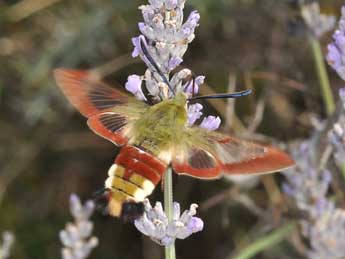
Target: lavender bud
x,y
174,62
210,123
194,113
164,232
193,86
136,44
170,4
195,225
133,85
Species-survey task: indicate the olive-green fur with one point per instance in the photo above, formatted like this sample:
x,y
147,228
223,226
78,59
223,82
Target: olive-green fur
x,y
162,125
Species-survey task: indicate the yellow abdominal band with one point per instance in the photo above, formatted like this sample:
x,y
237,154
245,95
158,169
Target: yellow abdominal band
x,y
136,188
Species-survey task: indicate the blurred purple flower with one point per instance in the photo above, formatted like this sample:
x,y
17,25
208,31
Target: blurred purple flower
x,y
77,237
6,244
317,22
336,49
308,186
210,123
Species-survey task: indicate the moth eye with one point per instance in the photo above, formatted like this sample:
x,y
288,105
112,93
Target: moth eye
x,y
131,211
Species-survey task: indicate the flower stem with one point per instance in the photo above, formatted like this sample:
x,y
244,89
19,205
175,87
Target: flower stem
x,y
168,207
322,74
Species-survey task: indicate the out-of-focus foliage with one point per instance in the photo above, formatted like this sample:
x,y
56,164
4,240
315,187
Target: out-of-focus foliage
x,y
47,151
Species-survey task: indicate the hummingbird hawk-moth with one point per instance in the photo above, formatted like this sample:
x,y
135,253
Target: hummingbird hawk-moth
x,y
153,137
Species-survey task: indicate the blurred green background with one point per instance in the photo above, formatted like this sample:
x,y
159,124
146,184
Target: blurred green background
x,y
47,152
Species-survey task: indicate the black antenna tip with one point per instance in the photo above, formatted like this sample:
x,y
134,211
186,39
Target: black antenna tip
x,y
222,96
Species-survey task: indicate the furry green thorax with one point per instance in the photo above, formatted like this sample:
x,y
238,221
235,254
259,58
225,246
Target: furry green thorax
x,y
162,125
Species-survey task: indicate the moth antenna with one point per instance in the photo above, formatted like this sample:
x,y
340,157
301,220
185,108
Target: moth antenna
x,y
154,64
221,96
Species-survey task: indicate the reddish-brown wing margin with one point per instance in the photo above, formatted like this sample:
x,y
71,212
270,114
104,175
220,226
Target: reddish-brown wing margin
x,y
95,100
228,155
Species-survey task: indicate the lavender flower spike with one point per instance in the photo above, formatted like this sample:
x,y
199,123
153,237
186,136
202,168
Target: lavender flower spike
x,y
324,223
76,237
154,223
5,246
336,49
166,39
317,23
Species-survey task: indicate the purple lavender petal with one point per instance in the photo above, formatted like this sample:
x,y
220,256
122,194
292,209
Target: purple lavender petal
x,y
174,62
137,49
333,56
133,85
148,13
194,113
195,224
336,49
193,19
339,39
210,123
199,80
156,3
170,4
141,26
166,241
189,26
186,31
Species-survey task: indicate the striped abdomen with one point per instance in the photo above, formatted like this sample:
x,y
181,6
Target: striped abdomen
x,y
132,178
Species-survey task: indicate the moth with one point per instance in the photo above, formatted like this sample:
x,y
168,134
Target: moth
x,y
153,137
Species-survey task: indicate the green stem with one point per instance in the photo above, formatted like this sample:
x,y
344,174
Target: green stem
x,y
269,240
342,169
322,74
168,207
